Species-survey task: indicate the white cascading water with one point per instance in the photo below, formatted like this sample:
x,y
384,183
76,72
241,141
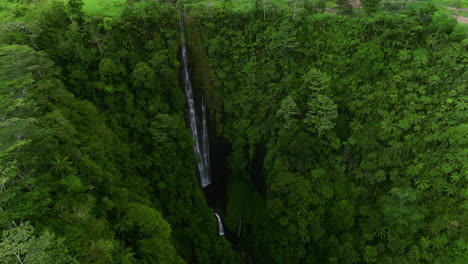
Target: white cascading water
x,y
239,228
205,142
220,225
201,146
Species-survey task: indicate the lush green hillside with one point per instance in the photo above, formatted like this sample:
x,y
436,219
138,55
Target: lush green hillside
x,y
340,136
355,125
93,143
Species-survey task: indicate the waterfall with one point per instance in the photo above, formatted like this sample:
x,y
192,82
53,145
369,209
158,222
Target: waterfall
x,y
206,144
201,146
220,225
239,228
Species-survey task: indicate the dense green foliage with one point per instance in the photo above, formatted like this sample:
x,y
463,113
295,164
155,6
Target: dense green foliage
x,y
347,132
104,7
93,143
357,126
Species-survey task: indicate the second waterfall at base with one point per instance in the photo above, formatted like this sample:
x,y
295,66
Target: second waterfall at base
x,y
220,225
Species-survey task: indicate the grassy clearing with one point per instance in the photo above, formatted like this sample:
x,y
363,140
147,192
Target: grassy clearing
x,y
103,7
454,3
237,6
440,9
234,5
461,13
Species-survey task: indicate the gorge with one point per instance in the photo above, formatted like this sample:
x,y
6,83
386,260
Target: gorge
x,y
201,144
239,131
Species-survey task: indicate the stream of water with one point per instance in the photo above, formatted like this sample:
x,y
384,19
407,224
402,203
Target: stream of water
x,y
201,146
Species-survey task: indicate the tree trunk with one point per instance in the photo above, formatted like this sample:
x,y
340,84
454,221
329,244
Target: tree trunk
x,y
295,7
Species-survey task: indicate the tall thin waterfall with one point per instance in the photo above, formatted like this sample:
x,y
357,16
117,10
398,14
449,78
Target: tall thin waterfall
x,y
205,141
220,225
201,146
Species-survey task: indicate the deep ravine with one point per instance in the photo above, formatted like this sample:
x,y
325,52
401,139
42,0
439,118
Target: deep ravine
x,y
199,130
201,146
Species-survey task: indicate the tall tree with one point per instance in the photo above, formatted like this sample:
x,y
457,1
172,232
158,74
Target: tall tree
x,y
20,244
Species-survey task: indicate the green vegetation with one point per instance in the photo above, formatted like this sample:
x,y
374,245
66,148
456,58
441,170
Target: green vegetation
x,y
330,4
440,9
346,134
341,117
94,151
454,3
103,7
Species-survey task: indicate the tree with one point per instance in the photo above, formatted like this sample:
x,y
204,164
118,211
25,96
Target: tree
x,y
111,72
295,7
146,87
96,36
341,217
20,67
144,79
151,233
288,112
19,244
401,210
290,204
75,11
322,111
315,5
370,6
266,5
284,39
344,7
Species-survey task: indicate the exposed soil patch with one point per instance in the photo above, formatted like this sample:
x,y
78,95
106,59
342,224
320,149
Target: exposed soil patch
x,y
356,3
461,19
